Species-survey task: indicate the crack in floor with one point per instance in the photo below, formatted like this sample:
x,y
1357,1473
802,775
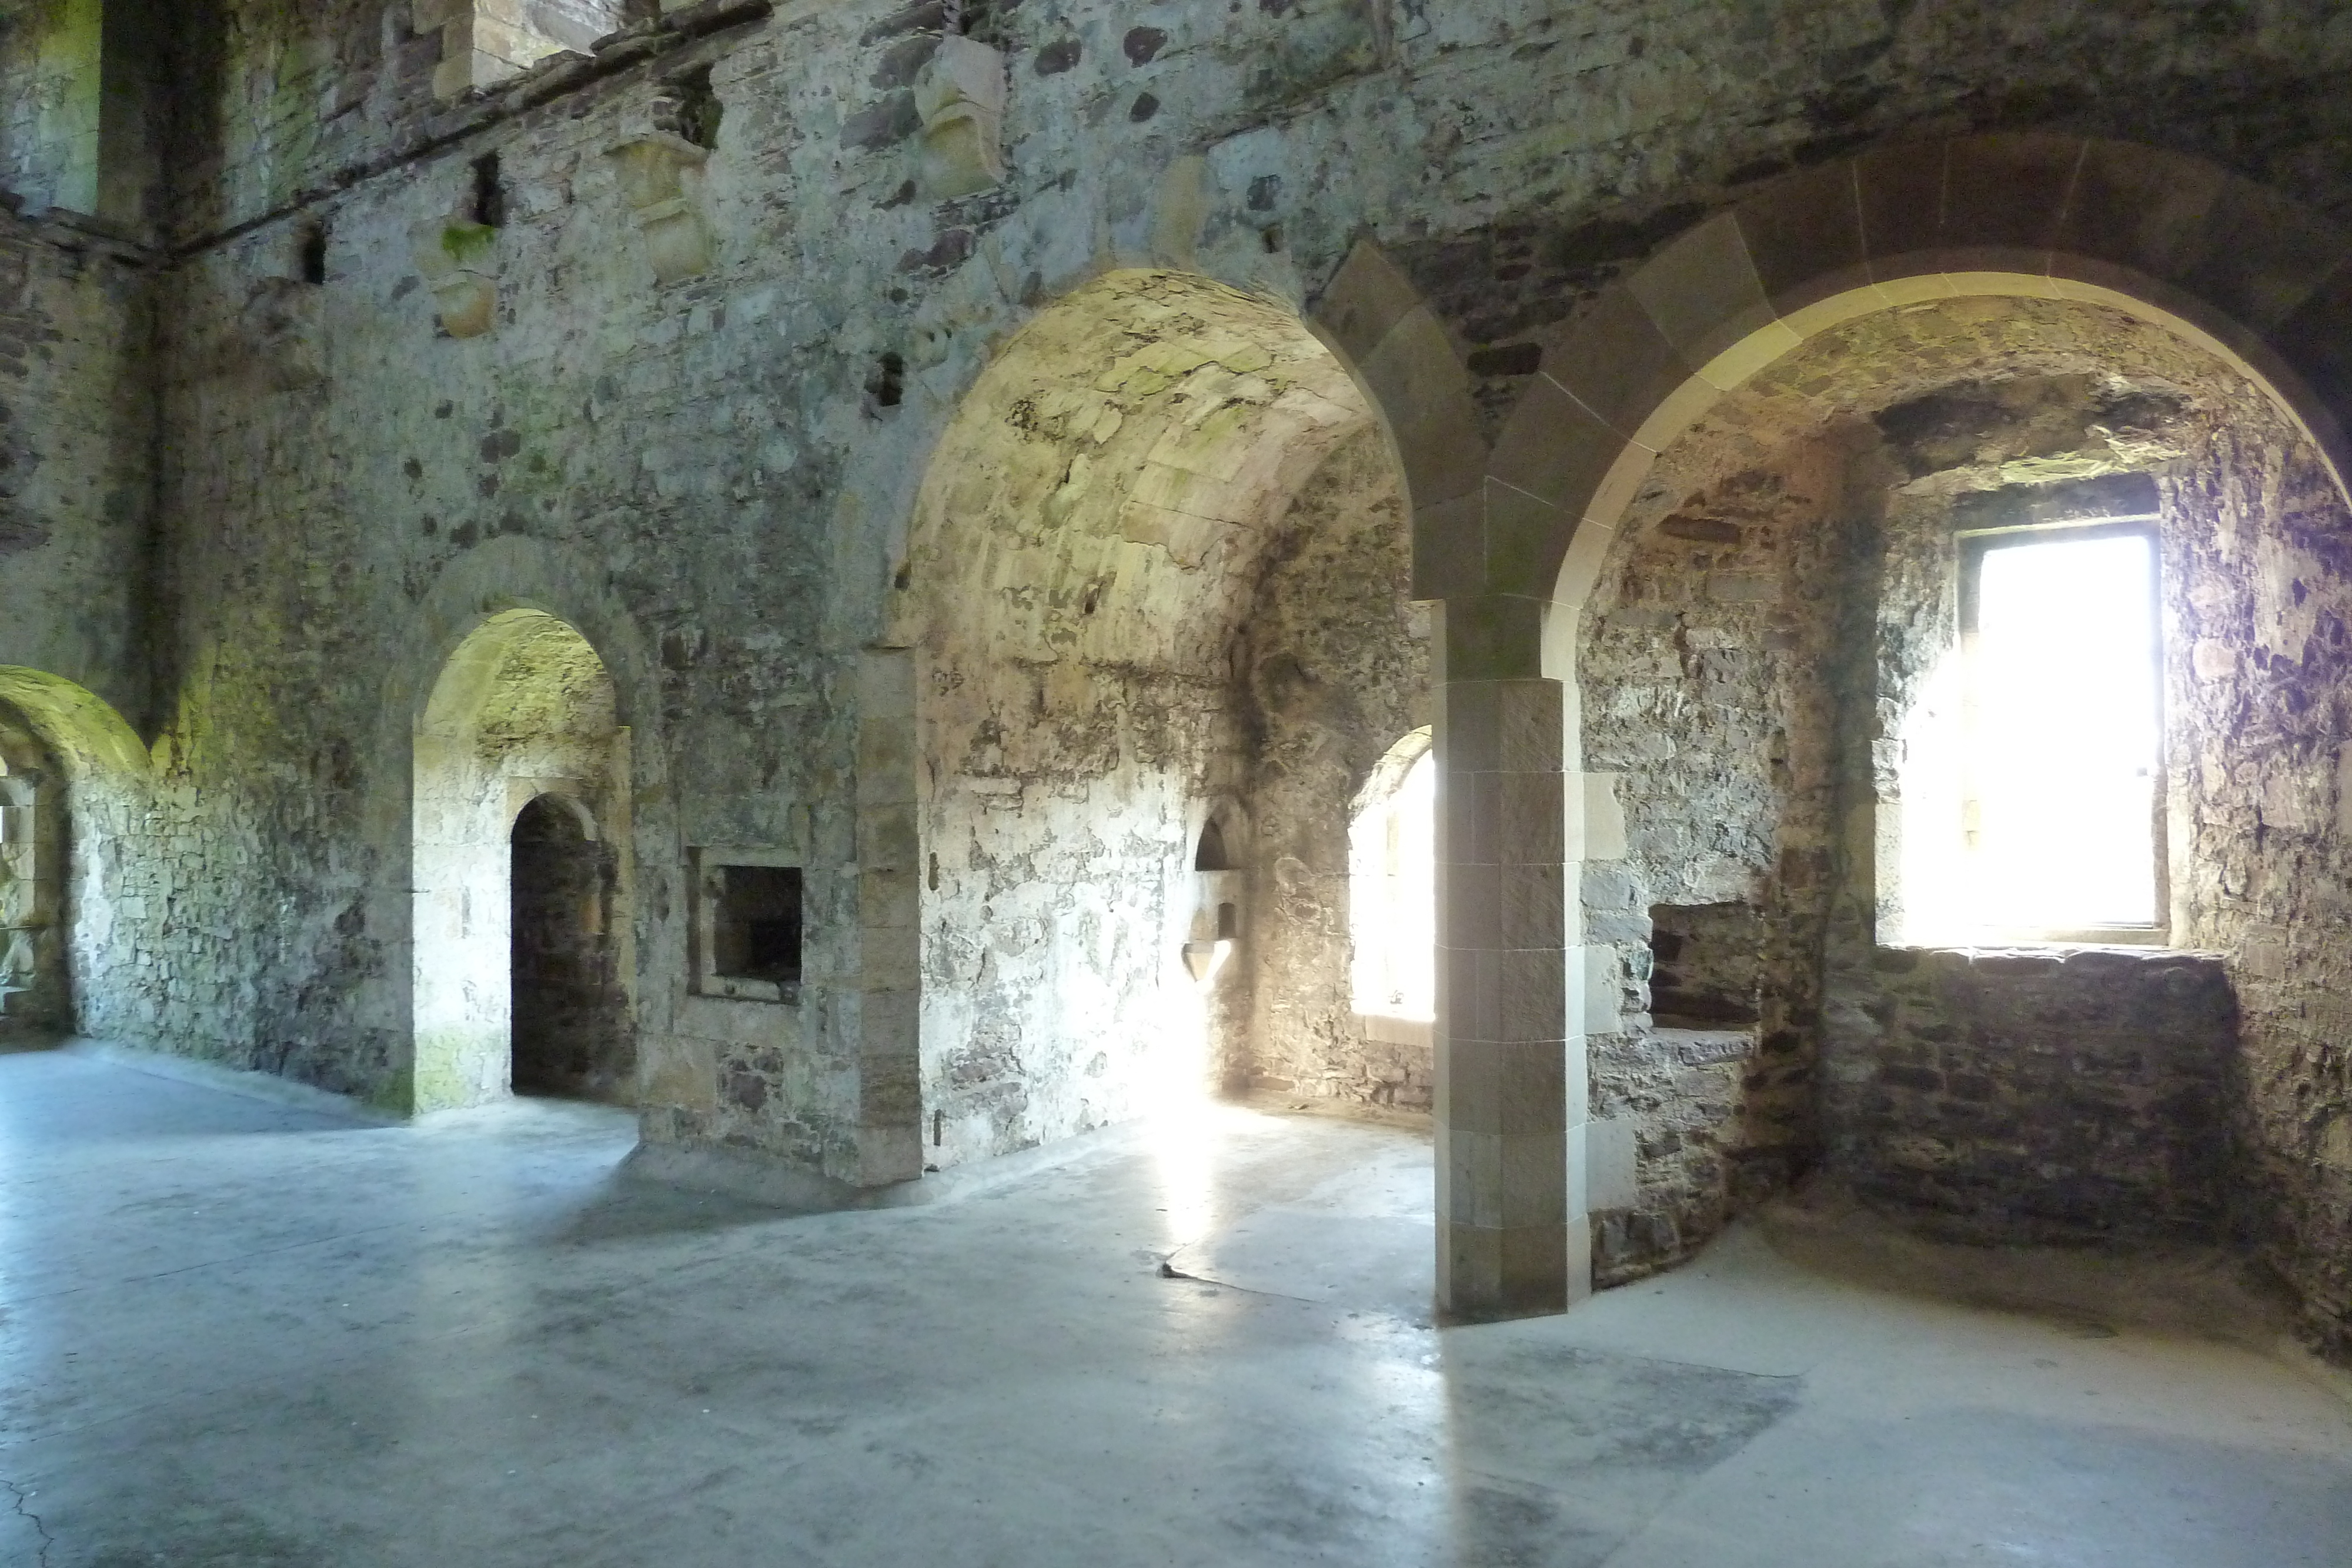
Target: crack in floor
x,y
22,1496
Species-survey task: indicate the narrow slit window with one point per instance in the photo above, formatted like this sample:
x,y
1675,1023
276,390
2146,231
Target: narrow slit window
x,y
2062,787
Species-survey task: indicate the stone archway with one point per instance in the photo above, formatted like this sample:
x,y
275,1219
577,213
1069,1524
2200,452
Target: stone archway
x,y
1082,659
73,779
524,709
1511,539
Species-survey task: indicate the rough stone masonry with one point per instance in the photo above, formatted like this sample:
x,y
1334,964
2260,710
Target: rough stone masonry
x,y
979,448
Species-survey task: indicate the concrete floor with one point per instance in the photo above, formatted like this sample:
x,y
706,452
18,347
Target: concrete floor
x,y
241,1332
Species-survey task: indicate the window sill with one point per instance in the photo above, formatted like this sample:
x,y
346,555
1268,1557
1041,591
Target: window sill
x,y
1898,957
732,989
2130,938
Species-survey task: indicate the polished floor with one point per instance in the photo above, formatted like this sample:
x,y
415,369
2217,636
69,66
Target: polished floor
x,y
240,1332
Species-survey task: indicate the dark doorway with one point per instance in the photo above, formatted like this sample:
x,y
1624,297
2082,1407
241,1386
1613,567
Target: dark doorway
x,y
568,1033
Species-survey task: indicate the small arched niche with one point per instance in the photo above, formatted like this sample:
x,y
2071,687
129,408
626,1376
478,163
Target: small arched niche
x,y
520,811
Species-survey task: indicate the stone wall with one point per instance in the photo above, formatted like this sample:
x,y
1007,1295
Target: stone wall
x,y
76,466
2045,1096
715,478
49,95
1706,670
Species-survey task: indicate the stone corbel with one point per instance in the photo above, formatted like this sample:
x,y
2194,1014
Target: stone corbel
x,y
659,174
1223,900
960,97
1203,959
458,261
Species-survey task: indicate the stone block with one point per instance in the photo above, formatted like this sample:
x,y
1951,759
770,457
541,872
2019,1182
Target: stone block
x,y
1531,1005
1469,999
1616,359
1609,1163
1469,725
2004,195
1524,538
1602,989
1531,1085
1365,298
2139,207
1531,826
659,177
1494,637
1532,911
2262,256
1530,718
1803,237
1418,381
1603,818
960,98
1703,292
1899,191
1555,448
1588,552
1449,546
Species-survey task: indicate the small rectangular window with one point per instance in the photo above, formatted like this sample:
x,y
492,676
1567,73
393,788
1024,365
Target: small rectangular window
x,y
756,935
2062,734
749,924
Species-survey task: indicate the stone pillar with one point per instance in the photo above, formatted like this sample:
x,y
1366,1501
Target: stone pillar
x,y
889,899
1512,1237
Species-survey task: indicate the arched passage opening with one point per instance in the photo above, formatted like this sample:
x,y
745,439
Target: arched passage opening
x,y
72,809
1157,599
522,970
34,1001
570,1009
1986,232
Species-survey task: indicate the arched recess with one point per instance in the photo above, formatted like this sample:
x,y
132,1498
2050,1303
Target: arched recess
x,y
2239,271
2247,274
72,804
524,709
1092,533
570,1008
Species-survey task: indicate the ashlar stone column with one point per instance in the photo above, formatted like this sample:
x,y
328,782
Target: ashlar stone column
x,y
1512,1236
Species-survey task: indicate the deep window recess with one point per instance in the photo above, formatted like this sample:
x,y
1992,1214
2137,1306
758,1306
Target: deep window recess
x,y
2062,734
1392,885
756,929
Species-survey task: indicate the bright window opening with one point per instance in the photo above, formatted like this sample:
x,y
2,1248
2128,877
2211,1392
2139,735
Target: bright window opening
x,y
1392,886
2061,736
